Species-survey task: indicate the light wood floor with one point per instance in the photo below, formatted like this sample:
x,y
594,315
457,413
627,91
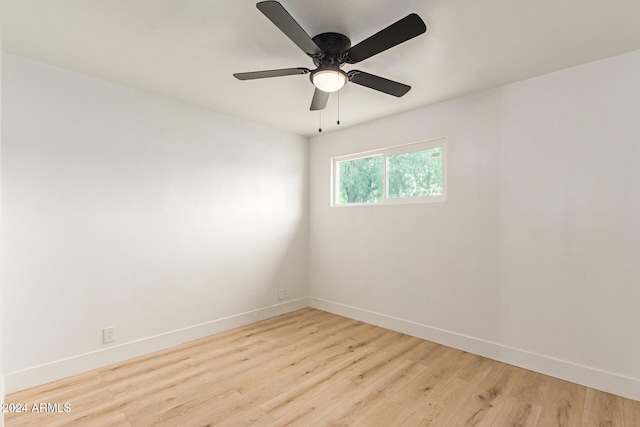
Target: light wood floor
x,y
312,368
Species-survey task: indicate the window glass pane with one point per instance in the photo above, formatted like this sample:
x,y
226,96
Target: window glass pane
x,y
415,174
360,180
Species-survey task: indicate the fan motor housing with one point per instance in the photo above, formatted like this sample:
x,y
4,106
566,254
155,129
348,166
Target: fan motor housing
x,y
333,45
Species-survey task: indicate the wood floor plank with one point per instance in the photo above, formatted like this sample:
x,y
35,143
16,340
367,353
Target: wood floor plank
x,y
602,409
369,392
353,329
631,413
81,392
518,413
323,383
107,419
434,377
102,412
377,363
319,406
312,368
200,406
242,416
317,399
393,385
387,413
235,366
278,379
563,404
486,401
428,353
531,388
138,403
144,378
272,373
476,369
64,388
80,405
441,403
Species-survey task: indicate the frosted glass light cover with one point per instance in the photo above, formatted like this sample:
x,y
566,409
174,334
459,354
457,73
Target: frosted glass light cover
x,y
329,80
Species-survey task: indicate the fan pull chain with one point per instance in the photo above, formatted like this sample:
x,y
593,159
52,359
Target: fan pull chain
x,y
319,120
338,122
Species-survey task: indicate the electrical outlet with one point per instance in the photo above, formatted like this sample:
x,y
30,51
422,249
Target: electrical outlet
x,y
109,335
287,293
280,294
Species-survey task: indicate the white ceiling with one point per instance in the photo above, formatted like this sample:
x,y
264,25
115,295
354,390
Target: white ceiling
x,y
189,49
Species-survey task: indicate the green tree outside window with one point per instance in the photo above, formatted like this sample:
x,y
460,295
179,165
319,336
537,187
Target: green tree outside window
x,y
401,174
415,174
361,180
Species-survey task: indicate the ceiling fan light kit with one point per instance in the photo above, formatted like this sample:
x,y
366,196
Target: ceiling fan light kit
x,y
331,51
329,80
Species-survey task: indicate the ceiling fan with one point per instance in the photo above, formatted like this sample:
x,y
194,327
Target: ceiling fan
x,y
330,51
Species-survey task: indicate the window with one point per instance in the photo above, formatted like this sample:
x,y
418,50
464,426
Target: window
x,y
412,173
361,180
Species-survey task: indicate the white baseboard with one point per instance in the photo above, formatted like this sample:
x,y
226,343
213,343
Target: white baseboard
x,y
42,374
562,369
579,374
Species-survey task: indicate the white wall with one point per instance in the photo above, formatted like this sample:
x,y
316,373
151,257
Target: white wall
x,y
1,299
534,257
123,208
170,222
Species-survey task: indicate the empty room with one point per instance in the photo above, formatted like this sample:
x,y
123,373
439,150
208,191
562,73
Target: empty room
x,y
320,213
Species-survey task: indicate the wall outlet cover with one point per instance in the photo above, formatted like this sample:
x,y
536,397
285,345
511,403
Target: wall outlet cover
x,y
109,334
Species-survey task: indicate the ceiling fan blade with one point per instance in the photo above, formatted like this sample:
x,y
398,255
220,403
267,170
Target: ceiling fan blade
x,y
285,22
270,73
378,83
319,101
405,29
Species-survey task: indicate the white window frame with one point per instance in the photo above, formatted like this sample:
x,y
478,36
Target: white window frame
x,y
385,153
